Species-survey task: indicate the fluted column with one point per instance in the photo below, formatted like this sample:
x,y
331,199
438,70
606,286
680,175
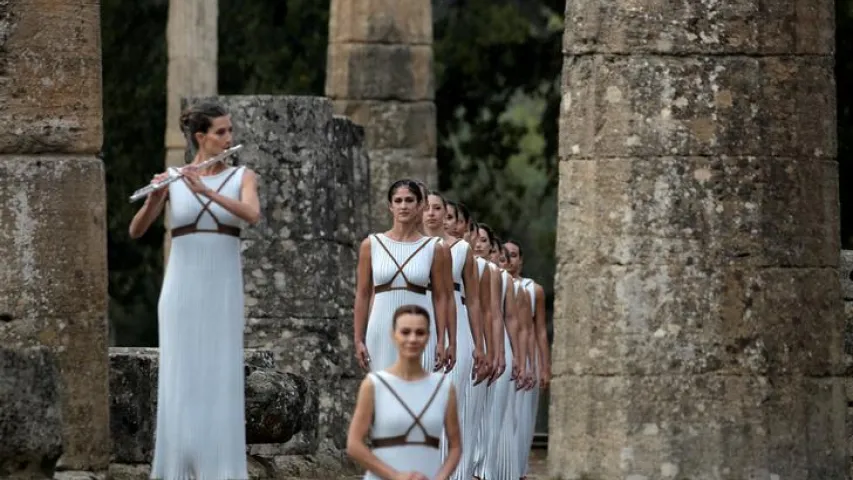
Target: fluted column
x,y
53,272
379,73
698,328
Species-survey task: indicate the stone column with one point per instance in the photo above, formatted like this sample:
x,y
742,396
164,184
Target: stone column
x,y
379,73
193,48
698,313
53,273
299,261
845,277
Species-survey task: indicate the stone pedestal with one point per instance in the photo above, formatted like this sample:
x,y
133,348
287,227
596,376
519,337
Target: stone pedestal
x,y
698,327
379,73
299,261
53,276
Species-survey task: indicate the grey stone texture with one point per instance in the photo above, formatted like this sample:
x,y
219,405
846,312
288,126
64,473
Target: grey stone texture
x,y
278,405
30,412
50,77
53,277
379,73
299,261
698,320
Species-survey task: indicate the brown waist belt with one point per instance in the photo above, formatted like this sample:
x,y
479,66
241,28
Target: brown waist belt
x,y
221,229
409,286
401,441
456,286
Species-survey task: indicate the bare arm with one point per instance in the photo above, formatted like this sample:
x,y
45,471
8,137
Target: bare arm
x,y
472,297
485,302
440,287
363,299
451,301
151,209
451,429
522,309
496,319
248,207
359,428
512,327
542,337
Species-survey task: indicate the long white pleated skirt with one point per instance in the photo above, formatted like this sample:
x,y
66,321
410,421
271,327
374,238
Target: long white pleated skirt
x,y
200,431
470,405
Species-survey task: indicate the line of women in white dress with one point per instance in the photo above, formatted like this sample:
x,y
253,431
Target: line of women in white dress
x,y
488,331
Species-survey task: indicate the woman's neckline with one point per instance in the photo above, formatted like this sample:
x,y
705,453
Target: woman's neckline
x,y
385,234
211,175
425,377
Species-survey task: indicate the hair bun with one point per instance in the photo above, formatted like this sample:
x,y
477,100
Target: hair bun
x,y
186,118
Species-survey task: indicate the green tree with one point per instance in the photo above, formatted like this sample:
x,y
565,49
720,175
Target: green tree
x,y
498,66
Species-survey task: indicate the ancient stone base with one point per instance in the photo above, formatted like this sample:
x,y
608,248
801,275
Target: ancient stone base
x,y
278,405
77,475
30,412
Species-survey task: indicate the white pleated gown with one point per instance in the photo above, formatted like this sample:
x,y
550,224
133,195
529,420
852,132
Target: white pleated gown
x,y
394,288
426,397
200,431
501,458
483,425
469,402
528,404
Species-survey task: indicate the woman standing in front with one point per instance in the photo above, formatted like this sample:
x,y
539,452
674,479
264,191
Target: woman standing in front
x,y
395,268
200,429
404,410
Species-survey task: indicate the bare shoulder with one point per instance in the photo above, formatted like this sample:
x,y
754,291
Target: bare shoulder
x,y
364,250
366,384
249,175
441,247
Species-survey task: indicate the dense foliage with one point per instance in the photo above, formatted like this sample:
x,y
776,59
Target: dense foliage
x,y
497,94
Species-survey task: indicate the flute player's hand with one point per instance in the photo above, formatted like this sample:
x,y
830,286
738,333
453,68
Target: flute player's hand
x,y
157,196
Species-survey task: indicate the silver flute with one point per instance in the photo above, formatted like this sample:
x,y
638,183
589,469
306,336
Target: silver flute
x,y
176,174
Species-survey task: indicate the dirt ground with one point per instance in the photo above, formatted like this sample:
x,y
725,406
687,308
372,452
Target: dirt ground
x,y
538,467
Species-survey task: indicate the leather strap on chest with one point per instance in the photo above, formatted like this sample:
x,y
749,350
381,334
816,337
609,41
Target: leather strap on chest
x,y
205,207
412,287
403,439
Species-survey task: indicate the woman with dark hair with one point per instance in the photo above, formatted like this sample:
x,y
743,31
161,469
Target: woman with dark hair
x,y
396,268
450,328
471,365
488,426
538,362
200,429
404,409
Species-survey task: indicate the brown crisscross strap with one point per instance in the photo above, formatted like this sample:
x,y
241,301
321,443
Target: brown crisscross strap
x,y
412,287
205,207
403,439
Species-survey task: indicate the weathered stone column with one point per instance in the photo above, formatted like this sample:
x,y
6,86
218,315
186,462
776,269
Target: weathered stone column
x,y
53,273
299,262
193,48
379,73
698,315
